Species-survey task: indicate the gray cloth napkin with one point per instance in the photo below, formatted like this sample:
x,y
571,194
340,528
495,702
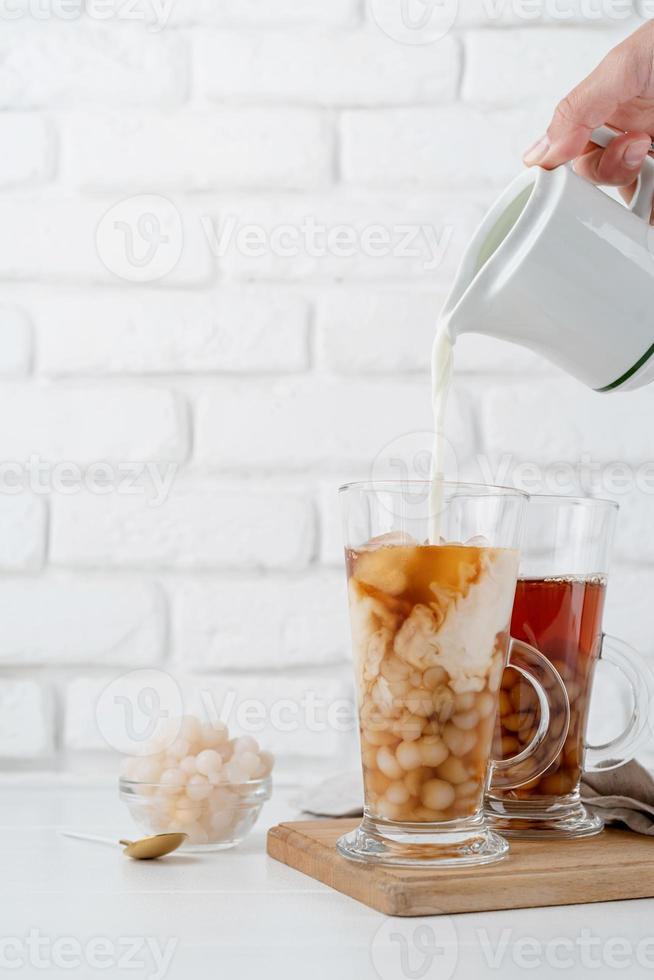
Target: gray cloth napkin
x,y
623,796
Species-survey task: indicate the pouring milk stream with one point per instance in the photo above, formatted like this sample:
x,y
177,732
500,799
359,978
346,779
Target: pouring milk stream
x,y
563,269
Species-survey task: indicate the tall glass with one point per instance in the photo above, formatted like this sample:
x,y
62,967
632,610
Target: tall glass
x,y
559,607
430,632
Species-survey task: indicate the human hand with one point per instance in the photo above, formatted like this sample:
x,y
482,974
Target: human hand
x,y
620,93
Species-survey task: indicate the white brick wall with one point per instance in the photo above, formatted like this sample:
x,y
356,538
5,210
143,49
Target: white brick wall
x,y
225,236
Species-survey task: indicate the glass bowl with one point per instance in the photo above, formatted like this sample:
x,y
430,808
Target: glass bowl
x,y
222,820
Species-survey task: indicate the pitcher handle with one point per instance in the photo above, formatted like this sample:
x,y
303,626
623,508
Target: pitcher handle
x,y
641,203
544,747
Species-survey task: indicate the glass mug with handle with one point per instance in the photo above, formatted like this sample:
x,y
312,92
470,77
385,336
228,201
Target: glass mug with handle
x,y
430,634
559,608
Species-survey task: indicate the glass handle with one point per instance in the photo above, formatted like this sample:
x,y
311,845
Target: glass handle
x,y
553,702
634,668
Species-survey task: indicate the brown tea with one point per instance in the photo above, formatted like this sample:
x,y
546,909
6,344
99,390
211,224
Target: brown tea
x,y
561,617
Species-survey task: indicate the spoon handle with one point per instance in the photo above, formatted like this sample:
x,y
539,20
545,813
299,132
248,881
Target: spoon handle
x,y
77,835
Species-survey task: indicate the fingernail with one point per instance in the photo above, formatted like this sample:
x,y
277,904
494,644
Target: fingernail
x,y
537,152
635,153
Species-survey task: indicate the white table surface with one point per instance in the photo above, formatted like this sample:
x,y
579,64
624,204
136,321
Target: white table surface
x,y
238,914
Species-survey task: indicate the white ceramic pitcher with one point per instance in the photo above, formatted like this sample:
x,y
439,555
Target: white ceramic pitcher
x,y
563,269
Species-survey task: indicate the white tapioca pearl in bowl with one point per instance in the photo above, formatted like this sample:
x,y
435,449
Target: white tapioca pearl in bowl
x,y
208,760
198,787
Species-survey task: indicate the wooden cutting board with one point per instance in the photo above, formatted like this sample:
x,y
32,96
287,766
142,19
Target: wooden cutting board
x,y
612,866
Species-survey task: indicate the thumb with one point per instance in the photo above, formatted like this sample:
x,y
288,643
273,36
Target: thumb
x,y
616,80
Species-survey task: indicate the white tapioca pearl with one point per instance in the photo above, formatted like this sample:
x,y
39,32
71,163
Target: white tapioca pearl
x,y
408,727
180,748
399,689
188,765
470,788
226,750
207,760
419,702
437,794
172,781
434,677
197,834
198,787
443,702
408,754
486,704
249,762
422,814
454,771
388,764
378,736
394,669
235,772
433,750
221,822
464,702
191,729
185,815
397,793
266,763
466,720
245,744
389,811
458,741
214,734
216,776
147,770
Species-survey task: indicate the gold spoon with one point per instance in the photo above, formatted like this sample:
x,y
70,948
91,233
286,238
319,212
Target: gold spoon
x,y
145,849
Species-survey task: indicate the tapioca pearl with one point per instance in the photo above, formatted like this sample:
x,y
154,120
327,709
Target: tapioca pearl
x,y
368,754
214,734
235,772
197,834
453,771
172,781
221,822
466,721
180,748
188,765
509,746
505,704
191,729
510,678
388,764
458,741
496,673
523,697
415,779
207,760
433,751
216,776
394,669
443,702
409,727
437,794
245,743
464,702
486,704
527,735
415,678
266,763
198,787
380,737
376,782
419,702
409,755
398,793
518,721
146,770
389,811
470,788
185,815
573,689
423,814
434,677
249,763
